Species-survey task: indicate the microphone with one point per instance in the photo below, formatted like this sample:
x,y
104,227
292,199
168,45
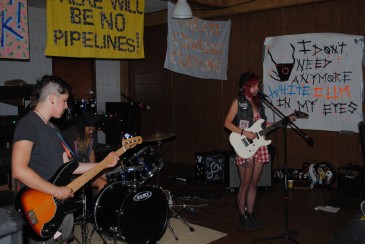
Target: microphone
x,y
261,95
310,141
144,106
139,104
189,208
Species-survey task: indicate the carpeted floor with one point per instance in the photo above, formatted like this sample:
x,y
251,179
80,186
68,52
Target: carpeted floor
x,y
200,235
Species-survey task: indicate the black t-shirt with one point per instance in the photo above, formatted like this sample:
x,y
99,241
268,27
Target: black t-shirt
x,y
47,153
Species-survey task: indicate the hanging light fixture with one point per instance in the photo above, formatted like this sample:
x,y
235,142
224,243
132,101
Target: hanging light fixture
x,y
182,10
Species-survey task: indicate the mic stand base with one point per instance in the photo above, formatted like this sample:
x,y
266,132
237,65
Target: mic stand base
x,y
287,235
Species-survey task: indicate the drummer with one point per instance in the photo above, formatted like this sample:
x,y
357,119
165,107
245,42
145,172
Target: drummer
x,y
82,140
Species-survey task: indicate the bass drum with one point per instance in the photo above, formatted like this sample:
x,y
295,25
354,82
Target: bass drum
x,y
134,216
144,215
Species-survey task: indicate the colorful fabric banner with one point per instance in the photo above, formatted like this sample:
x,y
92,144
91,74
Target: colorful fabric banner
x,y
14,43
95,29
197,47
319,74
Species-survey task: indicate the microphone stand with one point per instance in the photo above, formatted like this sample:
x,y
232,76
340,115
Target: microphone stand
x,y
288,234
135,112
131,103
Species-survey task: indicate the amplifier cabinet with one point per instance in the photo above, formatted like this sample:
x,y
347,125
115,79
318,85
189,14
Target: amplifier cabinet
x,y
350,180
209,166
265,178
232,178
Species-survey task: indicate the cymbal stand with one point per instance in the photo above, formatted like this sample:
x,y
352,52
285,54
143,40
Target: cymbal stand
x,y
158,178
174,214
159,167
84,220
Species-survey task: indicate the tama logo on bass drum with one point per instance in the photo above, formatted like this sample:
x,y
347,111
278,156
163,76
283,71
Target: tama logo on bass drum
x,y
142,196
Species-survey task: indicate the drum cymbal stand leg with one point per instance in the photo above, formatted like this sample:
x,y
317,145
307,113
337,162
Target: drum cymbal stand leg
x,y
158,177
85,219
174,214
99,234
172,230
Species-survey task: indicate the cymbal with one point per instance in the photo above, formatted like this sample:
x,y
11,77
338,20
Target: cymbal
x,y
158,136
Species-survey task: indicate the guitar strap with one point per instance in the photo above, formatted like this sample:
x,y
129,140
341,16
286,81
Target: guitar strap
x,y
243,113
68,150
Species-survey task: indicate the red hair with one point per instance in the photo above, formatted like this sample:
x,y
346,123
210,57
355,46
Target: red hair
x,y
253,80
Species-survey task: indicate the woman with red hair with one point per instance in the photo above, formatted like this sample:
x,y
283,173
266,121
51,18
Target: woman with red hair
x,y
244,111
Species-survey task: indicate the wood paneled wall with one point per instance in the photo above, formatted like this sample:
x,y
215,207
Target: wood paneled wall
x,y
79,72
195,108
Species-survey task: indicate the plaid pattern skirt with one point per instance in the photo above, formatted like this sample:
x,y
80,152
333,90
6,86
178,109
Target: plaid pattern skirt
x,y
261,156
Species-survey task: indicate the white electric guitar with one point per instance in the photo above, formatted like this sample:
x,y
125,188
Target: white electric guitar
x,y
246,147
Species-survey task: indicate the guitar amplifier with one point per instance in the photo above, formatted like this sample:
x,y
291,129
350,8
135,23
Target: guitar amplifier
x,y
350,179
209,166
232,178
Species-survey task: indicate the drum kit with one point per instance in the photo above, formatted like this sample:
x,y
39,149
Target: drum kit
x,y
127,208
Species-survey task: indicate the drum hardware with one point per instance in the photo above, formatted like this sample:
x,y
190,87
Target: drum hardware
x,y
174,214
158,177
84,219
77,107
158,137
114,230
135,183
150,162
127,175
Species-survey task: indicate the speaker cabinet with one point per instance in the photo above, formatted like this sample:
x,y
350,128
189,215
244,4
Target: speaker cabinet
x,y
7,127
232,178
350,180
265,179
209,166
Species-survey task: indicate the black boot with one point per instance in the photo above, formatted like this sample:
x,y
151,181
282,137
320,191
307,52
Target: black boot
x,y
246,222
254,222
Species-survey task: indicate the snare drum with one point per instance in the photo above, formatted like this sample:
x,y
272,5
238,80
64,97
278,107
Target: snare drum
x,y
127,175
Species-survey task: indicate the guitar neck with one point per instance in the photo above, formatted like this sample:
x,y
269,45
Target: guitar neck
x,y
84,178
273,126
